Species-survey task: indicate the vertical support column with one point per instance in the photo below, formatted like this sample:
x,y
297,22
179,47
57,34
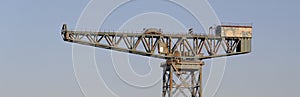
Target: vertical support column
x,y
171,80
200,81
193,84
164,86
182,79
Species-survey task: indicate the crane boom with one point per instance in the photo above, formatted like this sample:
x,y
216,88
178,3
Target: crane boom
x,y
183,52
164,46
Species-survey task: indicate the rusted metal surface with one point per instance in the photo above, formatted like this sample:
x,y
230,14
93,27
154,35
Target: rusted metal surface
x,y
234,31
152,31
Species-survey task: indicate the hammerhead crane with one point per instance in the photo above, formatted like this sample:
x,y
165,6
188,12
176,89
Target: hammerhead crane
x,y
184,53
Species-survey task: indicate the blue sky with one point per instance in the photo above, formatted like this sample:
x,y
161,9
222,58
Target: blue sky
x,y
35,62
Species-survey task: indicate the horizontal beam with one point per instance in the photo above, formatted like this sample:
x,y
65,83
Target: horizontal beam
x,y
163,46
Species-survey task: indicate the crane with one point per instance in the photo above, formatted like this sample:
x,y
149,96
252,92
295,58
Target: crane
x,y
184,53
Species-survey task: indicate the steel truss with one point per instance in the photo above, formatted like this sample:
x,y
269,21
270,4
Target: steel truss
x,y
184,53
185,46
182,78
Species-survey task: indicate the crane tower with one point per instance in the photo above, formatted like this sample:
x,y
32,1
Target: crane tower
x,y
184,53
